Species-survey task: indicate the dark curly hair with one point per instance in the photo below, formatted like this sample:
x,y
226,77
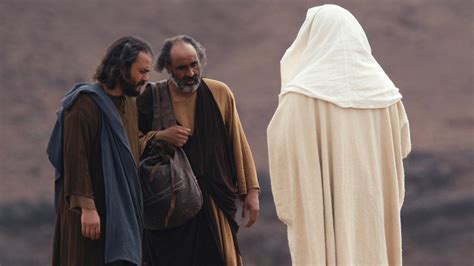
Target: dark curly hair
x,y
118,60
165,55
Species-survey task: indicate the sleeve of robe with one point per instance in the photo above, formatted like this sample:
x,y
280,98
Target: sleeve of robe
x,y
405,131
80,128
284,151
245,165
405,142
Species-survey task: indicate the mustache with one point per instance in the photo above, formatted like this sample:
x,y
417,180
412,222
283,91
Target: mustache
x,y
194,79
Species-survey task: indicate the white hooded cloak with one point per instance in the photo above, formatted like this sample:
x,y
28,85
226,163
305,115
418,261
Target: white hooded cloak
x,y
336,144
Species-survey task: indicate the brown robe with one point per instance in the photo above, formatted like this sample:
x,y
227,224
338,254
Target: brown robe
x,y
244,167
83,185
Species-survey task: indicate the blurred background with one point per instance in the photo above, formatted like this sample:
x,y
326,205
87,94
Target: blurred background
x,y
425,46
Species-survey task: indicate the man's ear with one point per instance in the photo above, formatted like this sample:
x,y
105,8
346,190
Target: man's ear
x,y
168,68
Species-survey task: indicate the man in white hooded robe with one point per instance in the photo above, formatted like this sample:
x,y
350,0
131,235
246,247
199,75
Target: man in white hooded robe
x,y
336,144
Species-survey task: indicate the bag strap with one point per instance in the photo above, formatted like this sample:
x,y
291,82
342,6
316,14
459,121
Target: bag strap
x,y
163,113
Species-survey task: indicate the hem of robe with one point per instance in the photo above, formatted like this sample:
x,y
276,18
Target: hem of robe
x,y
226,239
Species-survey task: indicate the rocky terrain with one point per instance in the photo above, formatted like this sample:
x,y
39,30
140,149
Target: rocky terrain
x,y
424,45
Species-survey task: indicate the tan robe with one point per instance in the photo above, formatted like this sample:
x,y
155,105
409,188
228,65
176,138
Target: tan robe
x,y
337,180
245,166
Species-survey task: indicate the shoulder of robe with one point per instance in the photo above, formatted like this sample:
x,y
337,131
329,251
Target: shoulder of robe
x,y
401,107
84,105
219,89
146,94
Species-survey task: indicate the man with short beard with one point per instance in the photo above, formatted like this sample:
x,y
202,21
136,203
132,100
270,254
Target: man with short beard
x,y
210,132
94,148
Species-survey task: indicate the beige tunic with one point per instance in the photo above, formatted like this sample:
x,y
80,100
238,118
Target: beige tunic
x,y
337,180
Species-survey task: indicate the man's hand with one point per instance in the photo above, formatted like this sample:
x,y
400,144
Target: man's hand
x,y
175,135
251,205
90,221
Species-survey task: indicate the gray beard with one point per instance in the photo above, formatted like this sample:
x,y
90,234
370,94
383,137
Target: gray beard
x,y
182,86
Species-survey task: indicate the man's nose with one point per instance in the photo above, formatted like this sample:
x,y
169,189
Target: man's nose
x,y
190,72
146,77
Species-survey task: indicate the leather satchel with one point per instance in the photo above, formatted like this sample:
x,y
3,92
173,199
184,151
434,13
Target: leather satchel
x,y
171,193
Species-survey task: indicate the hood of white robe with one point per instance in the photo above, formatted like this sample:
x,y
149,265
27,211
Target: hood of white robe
x,y
331,60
